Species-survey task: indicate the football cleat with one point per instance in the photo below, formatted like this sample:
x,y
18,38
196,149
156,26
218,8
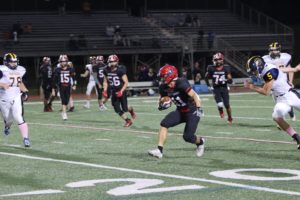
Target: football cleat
x,y
64,116
229,120
200,148
71,109
86,106
6,130
133,115
128,123
102,108
26,142
221,114
155,153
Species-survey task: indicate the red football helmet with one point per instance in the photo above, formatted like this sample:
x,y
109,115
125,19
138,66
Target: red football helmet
x,y
112,60
99,59
218,59
168,73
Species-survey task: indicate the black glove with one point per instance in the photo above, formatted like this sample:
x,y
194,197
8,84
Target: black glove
x,y
198,112
24,96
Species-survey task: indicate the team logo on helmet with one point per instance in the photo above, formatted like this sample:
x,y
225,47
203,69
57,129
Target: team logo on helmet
x,y
11,60
168,73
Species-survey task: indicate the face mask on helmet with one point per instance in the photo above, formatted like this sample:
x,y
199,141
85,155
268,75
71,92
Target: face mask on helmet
x,y
10,60
255,66
92,60
168,73
274,50
218,59
113,60
99,59
47,61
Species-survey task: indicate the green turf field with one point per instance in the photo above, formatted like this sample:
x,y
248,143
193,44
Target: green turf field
x,y
91,156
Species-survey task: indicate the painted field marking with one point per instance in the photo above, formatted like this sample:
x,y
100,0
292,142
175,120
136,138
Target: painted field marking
x,y
58,142
225,133
50,191
103,139
243,186
155,133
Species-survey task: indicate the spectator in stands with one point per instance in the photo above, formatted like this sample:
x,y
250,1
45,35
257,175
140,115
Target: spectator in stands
x,y
126,41
62,7
118,29
27,28
72,44
82,44
15,37
186,72
143,73
210,39
17,27
151,75
197,79
117,39
86,7
197,70
188,20
109,30
196,21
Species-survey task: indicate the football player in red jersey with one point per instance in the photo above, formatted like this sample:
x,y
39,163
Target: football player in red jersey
x,y
188,110
221,76
115,76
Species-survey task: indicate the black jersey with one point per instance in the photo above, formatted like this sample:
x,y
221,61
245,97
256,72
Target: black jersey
x,y
46,75
114,77
64,77
99,71
179,94
218,75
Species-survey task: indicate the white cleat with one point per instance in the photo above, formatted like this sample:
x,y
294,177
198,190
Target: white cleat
x,y
200,149
155,153
64,116
86,106
294,118
102,108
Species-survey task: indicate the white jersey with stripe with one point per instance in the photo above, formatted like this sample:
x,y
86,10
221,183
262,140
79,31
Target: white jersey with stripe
x,y
280,85
13,77
282,61
89,67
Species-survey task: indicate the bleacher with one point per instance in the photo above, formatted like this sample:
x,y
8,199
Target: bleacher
x,y
51,33
244,36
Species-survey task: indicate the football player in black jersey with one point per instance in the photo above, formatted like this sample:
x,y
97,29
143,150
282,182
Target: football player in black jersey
x,y
98,74
221,76
188,110
46,83
64,79
115,76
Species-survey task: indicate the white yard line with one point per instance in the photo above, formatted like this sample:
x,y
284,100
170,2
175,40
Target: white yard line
x,y
155,133
231,184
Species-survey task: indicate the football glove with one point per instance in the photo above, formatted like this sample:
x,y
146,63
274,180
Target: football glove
x,y
24,96
198,112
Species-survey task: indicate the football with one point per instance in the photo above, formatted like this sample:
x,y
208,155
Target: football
x,y
165,102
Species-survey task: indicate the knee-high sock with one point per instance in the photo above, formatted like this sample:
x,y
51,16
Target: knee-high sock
x,y
24,130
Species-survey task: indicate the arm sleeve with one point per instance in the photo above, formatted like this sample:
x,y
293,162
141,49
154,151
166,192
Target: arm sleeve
x,y
271,74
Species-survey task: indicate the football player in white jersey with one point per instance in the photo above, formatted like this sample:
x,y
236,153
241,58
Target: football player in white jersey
x,y
12,93
285,96
91,84
280,60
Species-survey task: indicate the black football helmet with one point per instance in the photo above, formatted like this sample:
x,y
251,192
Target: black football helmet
x,y
10,60
274,50
255,65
